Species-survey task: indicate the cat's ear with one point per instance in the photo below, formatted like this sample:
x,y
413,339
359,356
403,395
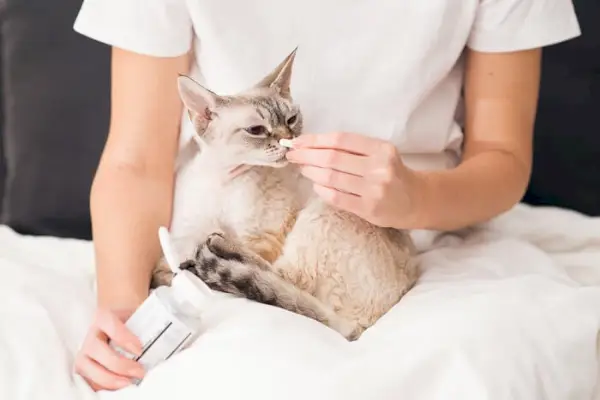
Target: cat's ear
x,y
197,99
280,78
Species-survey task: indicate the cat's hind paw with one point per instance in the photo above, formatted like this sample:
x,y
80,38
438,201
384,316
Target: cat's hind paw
x,y
224,248
220,264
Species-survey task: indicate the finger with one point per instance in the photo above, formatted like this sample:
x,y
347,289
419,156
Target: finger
x,y
335,180
116,330
344,201
349,142
332,159
98,377
104,355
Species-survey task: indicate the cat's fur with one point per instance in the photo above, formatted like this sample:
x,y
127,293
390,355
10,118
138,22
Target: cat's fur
x,y
260,232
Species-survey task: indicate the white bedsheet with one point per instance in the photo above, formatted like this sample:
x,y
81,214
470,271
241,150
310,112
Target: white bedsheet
x,y
508,312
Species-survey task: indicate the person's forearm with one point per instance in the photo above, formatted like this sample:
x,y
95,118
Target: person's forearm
x,y
501,92
477,190
127,209
132,191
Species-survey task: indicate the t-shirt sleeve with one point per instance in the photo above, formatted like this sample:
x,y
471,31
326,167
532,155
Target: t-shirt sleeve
x,y
512,25
160,28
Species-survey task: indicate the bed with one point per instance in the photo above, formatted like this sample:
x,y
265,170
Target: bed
x,y
424,348
427,347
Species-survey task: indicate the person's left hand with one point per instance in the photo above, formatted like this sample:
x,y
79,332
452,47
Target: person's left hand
x,y
361,175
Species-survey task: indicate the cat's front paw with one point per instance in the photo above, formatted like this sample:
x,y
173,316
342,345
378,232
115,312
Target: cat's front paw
x,y
161,275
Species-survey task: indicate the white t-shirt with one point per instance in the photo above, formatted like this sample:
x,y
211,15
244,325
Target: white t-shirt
x,y
387,68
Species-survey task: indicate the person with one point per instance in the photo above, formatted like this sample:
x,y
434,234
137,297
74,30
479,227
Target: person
x,y
418,115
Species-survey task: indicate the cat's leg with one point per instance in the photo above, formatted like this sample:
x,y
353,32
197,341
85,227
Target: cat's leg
x,y
224,266
268,245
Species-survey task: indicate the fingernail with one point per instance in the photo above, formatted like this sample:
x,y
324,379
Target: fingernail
x,y
296,142
138,372
134,348
124,382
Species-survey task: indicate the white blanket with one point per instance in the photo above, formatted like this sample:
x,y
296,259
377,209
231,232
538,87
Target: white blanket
x,y
511,311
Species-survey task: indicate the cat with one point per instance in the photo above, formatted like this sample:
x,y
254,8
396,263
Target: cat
x,y
248,223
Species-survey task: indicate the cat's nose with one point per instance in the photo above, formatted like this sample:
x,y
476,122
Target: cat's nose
x,y
283,133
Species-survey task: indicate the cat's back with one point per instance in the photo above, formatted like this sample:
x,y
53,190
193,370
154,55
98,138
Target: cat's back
x,y
347,231
361,269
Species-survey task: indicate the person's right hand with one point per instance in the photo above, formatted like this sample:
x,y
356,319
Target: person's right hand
x,y
100,365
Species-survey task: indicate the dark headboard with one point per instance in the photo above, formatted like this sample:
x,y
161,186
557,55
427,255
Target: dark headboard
x,y
55,115
567,134
56,112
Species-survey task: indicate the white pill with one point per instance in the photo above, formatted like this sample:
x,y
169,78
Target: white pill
x,y
286,143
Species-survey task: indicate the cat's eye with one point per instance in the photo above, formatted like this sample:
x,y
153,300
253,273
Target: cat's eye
x,y
257,130
292,120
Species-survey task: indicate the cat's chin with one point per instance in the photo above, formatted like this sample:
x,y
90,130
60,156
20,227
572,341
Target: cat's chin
x,y
279,163
282,162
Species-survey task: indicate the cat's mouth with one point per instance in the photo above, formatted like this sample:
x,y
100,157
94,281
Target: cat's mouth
x,y
277,158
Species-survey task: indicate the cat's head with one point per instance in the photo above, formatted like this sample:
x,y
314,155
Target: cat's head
x,y
245,128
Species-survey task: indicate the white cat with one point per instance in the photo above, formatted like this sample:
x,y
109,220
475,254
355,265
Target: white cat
x,y
248,223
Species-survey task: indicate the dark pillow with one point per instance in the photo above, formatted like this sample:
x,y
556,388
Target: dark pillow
x,y
567,134
2,164
56,94
2,167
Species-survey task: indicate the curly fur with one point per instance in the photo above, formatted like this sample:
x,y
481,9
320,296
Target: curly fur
x,y
262,233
